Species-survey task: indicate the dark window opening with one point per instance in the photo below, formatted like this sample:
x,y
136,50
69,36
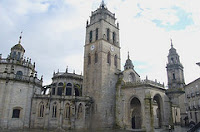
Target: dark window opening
x,y
41,110
68,91
54,111
90,36
97,34
16,113
53,91
68,111
174,76
114,37
59,92
108,34
19,75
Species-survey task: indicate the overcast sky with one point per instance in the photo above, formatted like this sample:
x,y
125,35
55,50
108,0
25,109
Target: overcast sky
x,y
54,33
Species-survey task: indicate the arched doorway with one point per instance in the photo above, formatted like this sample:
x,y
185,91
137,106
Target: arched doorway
x,y
136,118
157,110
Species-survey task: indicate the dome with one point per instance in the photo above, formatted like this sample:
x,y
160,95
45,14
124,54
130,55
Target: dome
x,y
18,47
128,64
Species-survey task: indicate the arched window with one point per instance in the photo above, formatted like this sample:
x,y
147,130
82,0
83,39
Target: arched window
x,y
89,59
16,113
80,111
53,92
115,61
54,110
172,59
108,34
69,89
90,36
174,76
108,58
67,111
77,90
60,89
41,110
114,37
97,34
18,56
96,57
19,74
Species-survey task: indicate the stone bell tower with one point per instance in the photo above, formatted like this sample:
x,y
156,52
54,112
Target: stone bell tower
x,y
101,62
175,75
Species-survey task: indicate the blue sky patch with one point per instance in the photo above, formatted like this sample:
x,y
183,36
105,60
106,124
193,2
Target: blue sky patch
x,y
184,20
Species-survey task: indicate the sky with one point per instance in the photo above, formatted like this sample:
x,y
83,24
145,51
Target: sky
x,y
54,33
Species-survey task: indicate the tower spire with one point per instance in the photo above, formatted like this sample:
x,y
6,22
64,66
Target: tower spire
x,y
171,43
102,4
20,38
128,55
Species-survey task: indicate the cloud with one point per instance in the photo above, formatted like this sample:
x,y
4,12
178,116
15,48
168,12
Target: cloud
x,y
54,33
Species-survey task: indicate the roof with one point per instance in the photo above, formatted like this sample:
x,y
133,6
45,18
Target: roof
x,y
18,47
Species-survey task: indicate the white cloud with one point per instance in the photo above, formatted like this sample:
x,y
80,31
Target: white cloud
x,y
54,33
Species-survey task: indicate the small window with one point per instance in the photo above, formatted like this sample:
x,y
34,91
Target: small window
x,y
80,111
16,113
18,56
108,34
174,76
77,89
115,61
67,111
69,89
89,59
19,74
90,36
114,37
108,58
97,34
96,57
41,110
54,110
60,89
53,91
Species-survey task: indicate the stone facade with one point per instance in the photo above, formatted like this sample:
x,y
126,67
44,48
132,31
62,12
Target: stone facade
x,y
192,99
105,97
18,84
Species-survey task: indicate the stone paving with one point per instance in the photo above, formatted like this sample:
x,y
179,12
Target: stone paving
x,y
176,129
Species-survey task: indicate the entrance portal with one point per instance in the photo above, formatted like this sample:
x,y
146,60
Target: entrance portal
x,y
136,120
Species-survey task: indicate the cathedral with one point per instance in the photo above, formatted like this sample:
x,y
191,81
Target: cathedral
x,y
104,97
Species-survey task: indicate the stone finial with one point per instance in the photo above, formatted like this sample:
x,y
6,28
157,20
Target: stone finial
x,y
74,71
117,25
66,70
0,56
12,68
34,65
171,43
20,38
41,78
54,73
146,77
35,74
58,71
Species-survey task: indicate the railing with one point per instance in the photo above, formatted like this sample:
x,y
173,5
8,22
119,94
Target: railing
x,y
25,63
21,78
142,82
194,128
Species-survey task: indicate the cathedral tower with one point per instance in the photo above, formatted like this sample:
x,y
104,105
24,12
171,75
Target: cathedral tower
x,y
175,74
101,62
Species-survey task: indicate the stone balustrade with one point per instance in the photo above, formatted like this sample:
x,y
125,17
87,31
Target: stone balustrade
x,y
22,62
22,78
144,82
